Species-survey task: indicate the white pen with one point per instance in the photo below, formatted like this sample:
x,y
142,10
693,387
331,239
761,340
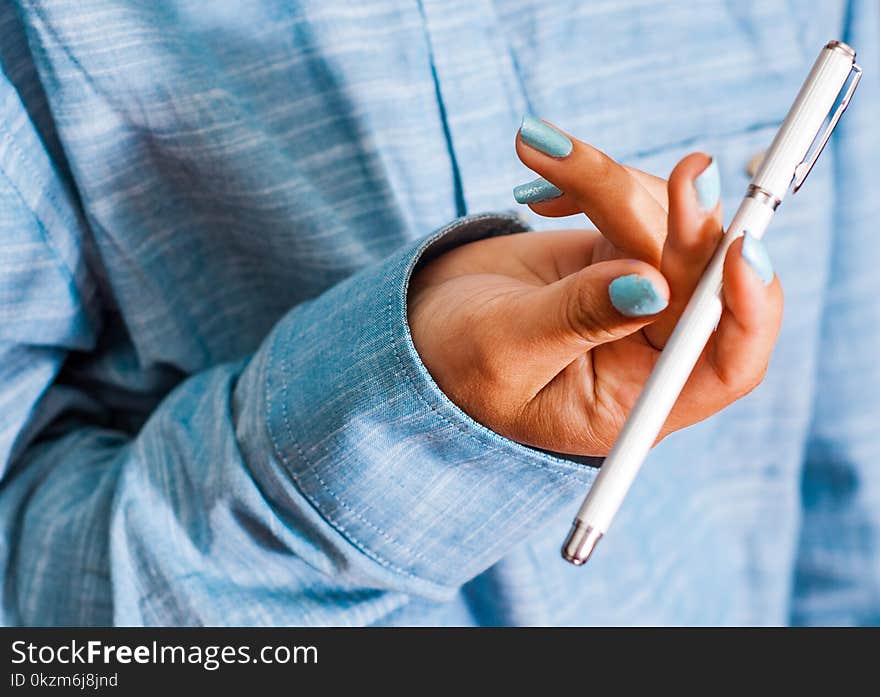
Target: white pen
x,y
787,162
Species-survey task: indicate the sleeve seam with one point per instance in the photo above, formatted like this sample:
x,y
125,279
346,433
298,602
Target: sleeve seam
x,y
523,457
342,530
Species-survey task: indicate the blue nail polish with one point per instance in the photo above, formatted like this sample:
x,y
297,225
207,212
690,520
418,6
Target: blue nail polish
x,y
536,191
545,138
635,296
708,187
754,252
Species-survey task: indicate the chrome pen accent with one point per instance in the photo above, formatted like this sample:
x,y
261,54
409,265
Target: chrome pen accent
x,y
805,167
581,542
763,196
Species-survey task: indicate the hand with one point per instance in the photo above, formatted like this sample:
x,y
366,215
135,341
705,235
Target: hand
x,y
532,335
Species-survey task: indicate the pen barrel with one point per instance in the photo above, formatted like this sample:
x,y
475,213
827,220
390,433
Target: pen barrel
x,y
676,362
787,162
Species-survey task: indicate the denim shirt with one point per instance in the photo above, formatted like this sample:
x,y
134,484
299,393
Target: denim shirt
x,y
211,409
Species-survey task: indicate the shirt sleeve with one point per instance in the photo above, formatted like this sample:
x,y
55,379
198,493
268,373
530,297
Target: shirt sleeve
x,y
324,480
837,579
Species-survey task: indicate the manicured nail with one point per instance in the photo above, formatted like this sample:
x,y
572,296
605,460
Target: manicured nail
x,y
545,138
636,296
708,186
754,252
536,191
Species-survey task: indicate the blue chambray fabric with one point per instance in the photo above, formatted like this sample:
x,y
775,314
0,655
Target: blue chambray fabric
x,y
211,411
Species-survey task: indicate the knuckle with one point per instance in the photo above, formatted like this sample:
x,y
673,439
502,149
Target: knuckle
x,y
758,378
605,166
486,369
740,383
585,317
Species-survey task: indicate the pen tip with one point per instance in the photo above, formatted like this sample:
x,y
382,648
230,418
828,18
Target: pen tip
x,y
581,542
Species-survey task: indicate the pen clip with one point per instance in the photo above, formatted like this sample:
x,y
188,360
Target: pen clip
x,y
804,168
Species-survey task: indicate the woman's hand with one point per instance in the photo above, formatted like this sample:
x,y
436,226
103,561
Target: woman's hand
x,y
548,338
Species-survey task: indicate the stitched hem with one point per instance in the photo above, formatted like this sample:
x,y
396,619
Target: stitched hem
x,y
438,407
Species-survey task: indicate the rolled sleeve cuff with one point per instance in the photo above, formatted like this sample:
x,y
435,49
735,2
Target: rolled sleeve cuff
x,y
386,459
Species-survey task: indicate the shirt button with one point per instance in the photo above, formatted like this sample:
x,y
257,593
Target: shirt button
x,y
755,162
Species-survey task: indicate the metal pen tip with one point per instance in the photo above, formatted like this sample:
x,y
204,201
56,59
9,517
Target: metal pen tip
x,y
581,542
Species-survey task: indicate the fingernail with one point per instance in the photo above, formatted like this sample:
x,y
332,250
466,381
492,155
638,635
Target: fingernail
x,y
536,191
754,252
545,138
708,186
636,296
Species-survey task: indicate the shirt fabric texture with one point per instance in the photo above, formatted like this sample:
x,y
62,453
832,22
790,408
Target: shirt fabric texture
x,y
211,409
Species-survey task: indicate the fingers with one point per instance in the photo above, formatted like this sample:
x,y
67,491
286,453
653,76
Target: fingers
x,y
737,355
740,349
628,207
693,232
546,199
694,193
656,186
611,196
601,303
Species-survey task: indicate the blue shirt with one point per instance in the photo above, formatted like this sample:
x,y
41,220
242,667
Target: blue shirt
x,y
211,410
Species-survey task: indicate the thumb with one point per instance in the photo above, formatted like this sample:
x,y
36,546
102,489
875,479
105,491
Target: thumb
x,y
599,304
